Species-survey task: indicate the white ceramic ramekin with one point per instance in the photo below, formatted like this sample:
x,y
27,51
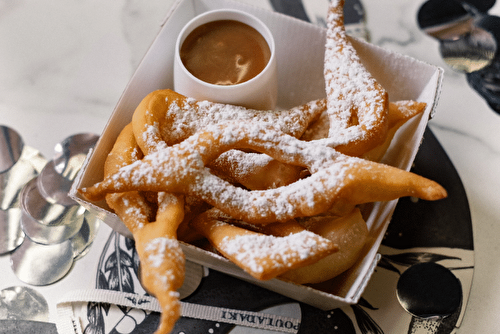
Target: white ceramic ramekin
x,y
260,92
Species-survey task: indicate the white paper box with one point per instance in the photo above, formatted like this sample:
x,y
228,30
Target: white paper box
x,y
300,51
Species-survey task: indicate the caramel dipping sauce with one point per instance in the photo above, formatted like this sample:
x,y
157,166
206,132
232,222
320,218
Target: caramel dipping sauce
x,y
225,52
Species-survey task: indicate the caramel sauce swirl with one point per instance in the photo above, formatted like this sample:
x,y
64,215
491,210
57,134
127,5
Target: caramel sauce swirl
x,y
225,52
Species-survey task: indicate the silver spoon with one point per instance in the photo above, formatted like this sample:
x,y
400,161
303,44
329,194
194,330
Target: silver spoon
x,y
466,43
429,292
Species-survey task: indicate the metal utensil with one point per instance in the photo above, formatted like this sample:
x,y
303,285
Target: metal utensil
x,y
85,237
71,153
53,186
13,181
430,292
466,42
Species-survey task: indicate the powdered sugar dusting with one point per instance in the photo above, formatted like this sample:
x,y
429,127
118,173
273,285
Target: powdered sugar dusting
x,y
181,168
159,247
165,255
244,162
407,107
179,117
257,251
349,86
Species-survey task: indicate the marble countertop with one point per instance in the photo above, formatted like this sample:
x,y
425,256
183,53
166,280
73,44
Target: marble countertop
x,y
64,65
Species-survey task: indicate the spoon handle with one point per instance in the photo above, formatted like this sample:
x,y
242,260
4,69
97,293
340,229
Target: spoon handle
x,y
424,326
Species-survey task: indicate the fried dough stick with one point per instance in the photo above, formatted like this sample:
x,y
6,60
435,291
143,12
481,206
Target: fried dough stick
x,y
263,256
164,118
255,171
334,176
162,260
399,113
258,171
348,232
357,104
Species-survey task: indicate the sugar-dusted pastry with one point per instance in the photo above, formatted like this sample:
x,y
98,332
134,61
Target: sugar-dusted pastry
x,y
165,117
154,229
357,104
348,232
182,169
261,255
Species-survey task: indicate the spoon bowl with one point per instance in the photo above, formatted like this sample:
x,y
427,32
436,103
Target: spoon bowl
x,y
429,290
466,35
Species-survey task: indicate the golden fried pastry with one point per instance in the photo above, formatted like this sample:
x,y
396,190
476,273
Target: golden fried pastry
x,y
278,229
399,113
348,232
165,117
255,171
402,111
162,260
357,104
181,169
262,256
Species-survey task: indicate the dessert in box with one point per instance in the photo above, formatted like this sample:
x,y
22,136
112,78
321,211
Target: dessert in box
x,y
300,50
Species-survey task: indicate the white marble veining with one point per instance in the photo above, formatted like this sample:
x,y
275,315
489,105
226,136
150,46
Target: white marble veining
x,y
64,65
